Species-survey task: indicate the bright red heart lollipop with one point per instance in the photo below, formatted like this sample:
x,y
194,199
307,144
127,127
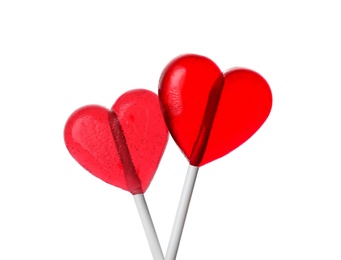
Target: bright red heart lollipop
x,y
122,146
210,113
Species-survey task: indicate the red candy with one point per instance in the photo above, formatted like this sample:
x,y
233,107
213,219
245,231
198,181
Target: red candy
x,y
210,113
122,146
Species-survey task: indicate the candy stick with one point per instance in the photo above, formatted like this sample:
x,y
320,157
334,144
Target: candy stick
x,y
148,226
181,214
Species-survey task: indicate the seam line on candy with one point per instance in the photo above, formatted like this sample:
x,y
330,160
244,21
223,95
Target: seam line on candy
x,y
133,182
201,142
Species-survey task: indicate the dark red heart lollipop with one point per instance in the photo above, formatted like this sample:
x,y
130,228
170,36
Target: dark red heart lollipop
x,y
122,146
210,113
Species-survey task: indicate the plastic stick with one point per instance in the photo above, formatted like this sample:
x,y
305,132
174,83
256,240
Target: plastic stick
x,y
181,214
148,226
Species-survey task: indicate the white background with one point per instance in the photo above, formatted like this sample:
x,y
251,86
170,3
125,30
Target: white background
x,y
276,197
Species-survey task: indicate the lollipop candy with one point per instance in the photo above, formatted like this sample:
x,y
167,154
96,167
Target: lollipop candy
x,y
122,146
209,114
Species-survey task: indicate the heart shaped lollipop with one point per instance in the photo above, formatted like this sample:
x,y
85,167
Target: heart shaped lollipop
x,y
210,113
122,146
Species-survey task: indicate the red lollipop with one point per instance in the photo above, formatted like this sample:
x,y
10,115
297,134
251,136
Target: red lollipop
x,y
122,146
209,114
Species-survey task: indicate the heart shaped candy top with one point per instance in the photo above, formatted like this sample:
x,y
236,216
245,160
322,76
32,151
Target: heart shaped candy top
x,y
210,113
122,146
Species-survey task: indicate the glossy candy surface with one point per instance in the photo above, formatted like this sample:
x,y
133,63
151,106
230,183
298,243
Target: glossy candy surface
x,y
122,146
210,113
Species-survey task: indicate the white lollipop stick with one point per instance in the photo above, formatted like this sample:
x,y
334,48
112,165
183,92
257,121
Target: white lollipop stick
x,y
181,214
148,226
